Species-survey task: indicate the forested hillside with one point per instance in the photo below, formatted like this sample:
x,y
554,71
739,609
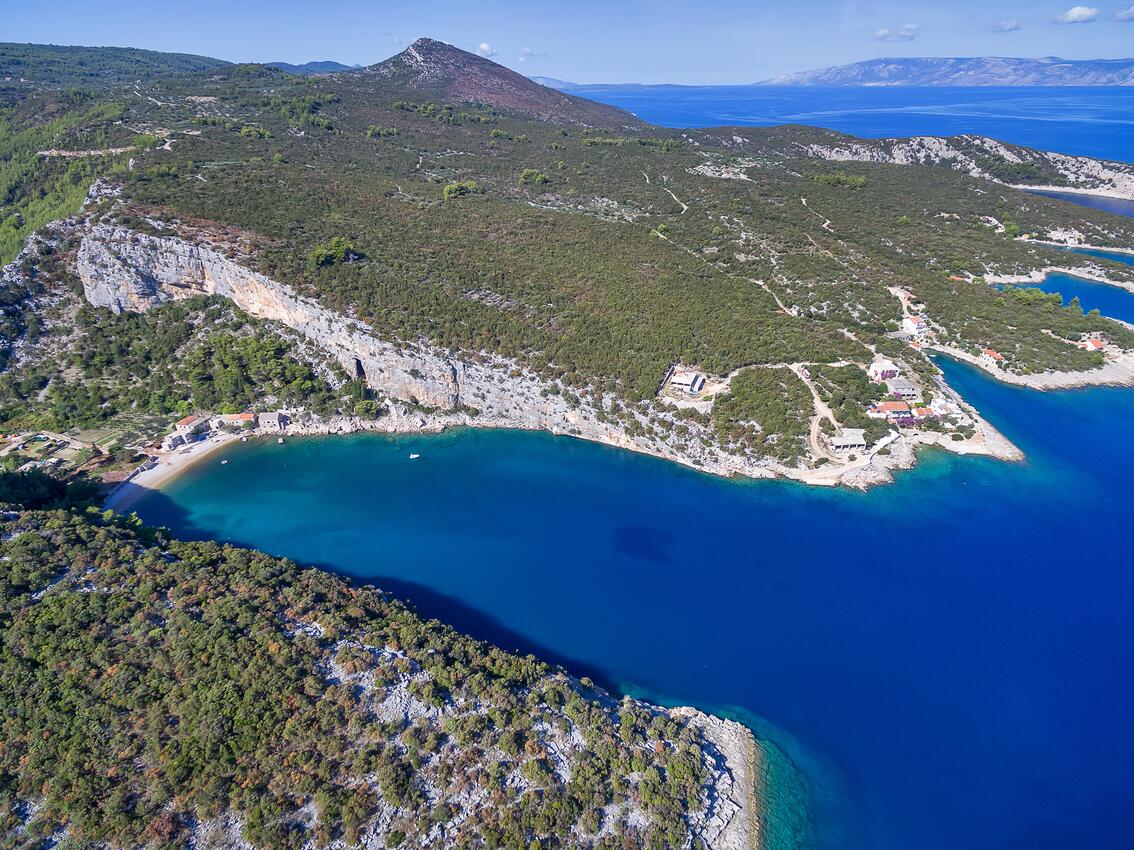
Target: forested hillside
x,y
49,66
443,200
173,694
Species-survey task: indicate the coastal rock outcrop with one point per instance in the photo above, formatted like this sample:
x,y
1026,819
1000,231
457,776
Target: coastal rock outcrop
x,y
971,154
124,269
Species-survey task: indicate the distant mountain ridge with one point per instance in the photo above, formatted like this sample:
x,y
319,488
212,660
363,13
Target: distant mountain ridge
x,y
553,83
311,69
975,71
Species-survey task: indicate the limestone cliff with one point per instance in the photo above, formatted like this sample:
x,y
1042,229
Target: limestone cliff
x,y
123,269
126,270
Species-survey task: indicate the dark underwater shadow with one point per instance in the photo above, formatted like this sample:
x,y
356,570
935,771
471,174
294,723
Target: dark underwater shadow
x,y
161,511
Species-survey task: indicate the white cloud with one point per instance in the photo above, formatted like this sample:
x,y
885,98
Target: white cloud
x,y
1006,26
1126,14
526,53
906,32
485,49
1078,15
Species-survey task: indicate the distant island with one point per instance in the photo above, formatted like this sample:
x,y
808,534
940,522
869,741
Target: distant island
x,y
929,71
967,71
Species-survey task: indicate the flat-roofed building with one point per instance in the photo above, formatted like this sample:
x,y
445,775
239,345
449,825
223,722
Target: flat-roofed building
x,y
275,421
902,388
688,380
850,439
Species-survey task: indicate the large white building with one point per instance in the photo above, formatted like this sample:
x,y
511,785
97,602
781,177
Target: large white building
x,y
902,388
850,440
915,326
689,380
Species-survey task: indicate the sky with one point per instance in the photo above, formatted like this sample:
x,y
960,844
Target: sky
x,y
591,41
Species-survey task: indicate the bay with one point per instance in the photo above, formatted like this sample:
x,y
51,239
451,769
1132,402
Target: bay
x,y
946,660
950,654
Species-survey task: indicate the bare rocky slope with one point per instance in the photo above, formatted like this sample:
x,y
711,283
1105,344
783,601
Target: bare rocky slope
x,y
980,156
443,71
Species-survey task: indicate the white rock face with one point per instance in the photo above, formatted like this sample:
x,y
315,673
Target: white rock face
x,y
1083,174
732,810
126,270
122,269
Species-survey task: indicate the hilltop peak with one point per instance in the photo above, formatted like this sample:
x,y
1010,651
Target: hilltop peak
x,y
444,71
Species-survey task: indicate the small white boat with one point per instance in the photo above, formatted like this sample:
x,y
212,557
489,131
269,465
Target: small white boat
x,y
414,456
244,439
280,441
223,462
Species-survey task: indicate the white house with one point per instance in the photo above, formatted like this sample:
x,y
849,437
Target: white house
x,y
850,440
992,357
688,380
915,326
881,369
192,424
902,388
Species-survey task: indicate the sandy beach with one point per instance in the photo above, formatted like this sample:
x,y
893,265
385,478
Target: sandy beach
x,y
169,466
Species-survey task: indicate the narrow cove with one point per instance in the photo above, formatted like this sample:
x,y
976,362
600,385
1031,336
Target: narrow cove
x,y
946,658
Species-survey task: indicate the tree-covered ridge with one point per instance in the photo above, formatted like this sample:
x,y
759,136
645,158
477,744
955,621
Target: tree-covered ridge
x,y
594,256
36,189
637,243
153,686
59,66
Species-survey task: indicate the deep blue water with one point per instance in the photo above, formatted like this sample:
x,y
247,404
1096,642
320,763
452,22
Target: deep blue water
x,y
954,651
1087,121
1120,206
1108,300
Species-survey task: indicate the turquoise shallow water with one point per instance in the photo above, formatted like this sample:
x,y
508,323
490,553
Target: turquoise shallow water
x,y
949,657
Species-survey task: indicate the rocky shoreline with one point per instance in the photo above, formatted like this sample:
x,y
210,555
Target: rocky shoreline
x,y
1115,373
1039,275
735,823
429,390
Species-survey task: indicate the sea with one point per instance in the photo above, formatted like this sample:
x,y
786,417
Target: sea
x,y
944,663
